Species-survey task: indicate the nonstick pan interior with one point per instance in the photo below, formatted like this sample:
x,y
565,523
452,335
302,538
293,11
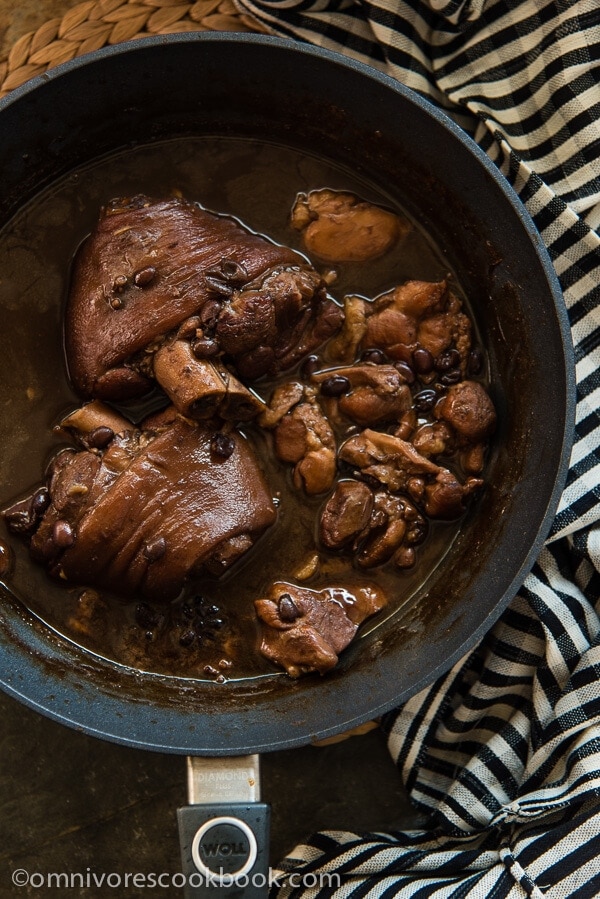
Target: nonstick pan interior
x,y
263,88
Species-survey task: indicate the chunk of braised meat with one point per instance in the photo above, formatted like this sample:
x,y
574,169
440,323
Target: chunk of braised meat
x,y
283,400
344,347
365,393
419,314
389,460
337,226
433,439
469,411
303,436
274,321
395,528
305,630
138,510
445,497
346,514
153,270
373,524
419,323
396,464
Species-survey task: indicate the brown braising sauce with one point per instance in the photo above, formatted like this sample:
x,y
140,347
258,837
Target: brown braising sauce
x,y
211,632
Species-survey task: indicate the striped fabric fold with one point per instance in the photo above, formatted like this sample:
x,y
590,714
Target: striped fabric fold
x,y
502,754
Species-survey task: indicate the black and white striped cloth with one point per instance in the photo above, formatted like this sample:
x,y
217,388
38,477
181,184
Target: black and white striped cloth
x,y
503,753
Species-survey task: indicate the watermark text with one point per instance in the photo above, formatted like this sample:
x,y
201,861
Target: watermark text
x,y
113,880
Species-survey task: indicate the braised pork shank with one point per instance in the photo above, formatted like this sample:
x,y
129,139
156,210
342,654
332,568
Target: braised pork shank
x,y
163,288
139,510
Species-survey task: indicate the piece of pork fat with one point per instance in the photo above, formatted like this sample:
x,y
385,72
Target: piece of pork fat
x,y
305,630
155,269
138,510
397,465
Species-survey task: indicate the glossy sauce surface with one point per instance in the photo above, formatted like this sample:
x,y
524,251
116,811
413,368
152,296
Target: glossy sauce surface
x,y
257,183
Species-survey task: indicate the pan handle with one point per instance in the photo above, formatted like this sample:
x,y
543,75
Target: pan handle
x,y
224,831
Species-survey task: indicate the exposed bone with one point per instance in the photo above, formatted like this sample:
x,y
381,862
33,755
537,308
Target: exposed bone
x,y
201,389
91,416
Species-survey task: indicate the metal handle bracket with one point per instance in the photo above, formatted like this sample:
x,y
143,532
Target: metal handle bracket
x,y
224,831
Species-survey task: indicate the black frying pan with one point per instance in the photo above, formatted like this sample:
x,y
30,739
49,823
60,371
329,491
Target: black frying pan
x,y
314,101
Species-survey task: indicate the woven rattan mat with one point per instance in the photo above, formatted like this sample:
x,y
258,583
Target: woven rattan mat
x,y
98,23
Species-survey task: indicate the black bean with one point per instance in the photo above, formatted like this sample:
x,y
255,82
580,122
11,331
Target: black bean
x,y
404,369
62,534
310,365
451,377
233,271
447,360
146,616
374,355
336,385
145,276
214,623
425,400
422,361
100,437
187,637
218,285
156,549
287,608
204,348
40,501
210,313
222,445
